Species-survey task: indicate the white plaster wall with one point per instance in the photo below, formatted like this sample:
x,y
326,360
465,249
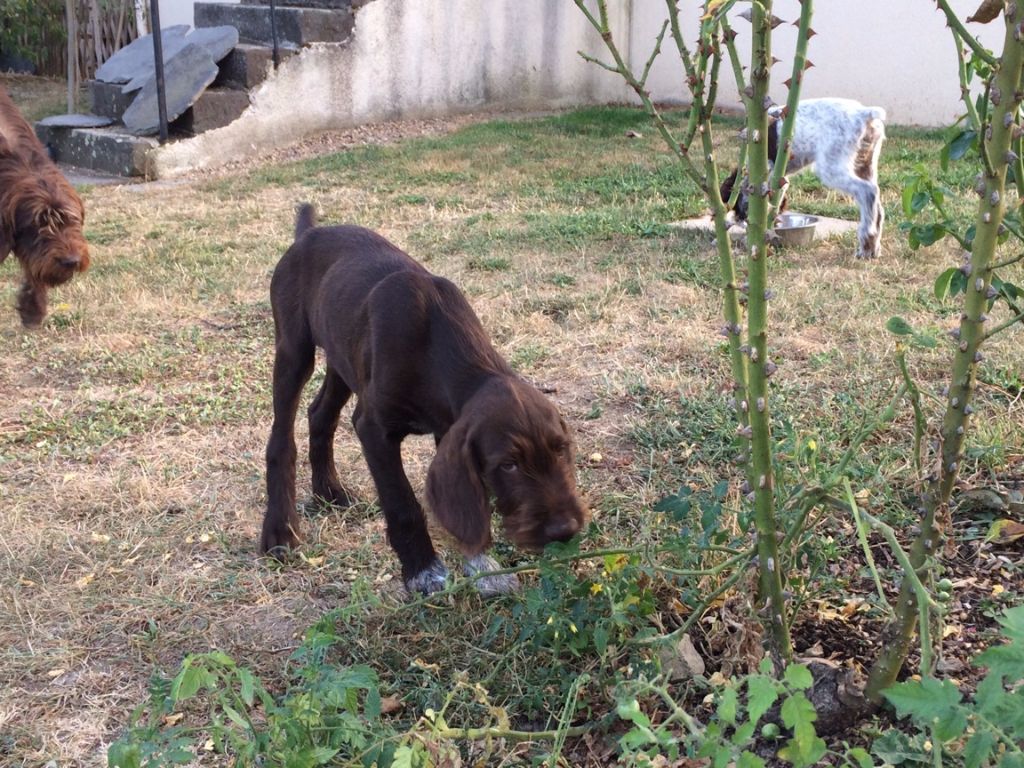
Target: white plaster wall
x,y
897,54
416,58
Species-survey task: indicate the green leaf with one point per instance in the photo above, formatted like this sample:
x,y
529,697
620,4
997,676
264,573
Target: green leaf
x,y
761,694
978,749
951,725
928,234
750,760
630,710
908,196
187,683
797,711
923,700
943,282
248,682
799,677
744,733
235,717
896,748
804,749
961,143
601,638
861,756
728,706
124,755
899,326
323,755
404,758
372,706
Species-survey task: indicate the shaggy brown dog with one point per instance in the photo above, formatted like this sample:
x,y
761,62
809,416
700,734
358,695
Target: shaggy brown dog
x,y
41,216
409,346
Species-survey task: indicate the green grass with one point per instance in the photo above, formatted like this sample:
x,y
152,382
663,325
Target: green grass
x,y
135,422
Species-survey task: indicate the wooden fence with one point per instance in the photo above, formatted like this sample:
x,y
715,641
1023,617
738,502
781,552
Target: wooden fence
x,y
103,27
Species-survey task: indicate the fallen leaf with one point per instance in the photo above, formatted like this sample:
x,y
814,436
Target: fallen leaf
x,y
1005,531
174,718
85,581
390,704
987,11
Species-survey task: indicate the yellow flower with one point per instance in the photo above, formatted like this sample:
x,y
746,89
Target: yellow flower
x,y
596,588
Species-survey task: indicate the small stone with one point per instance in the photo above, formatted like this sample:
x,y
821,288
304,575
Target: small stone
x,y
681,662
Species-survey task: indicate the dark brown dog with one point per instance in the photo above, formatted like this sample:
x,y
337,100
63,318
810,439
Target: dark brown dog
x,y
41,216
409,346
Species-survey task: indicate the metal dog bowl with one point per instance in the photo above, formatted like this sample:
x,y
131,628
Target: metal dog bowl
x,y
795,228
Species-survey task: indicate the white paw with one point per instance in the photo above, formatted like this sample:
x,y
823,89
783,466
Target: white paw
x,y
490,586
431,579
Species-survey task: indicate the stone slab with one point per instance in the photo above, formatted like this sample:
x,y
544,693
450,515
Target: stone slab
x,y
296,27
216,108
138,54
87,177
217,41
106,150
108,99
75,121
186,76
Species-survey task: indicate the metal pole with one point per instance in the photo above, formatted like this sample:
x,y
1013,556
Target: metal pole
x,y
158,60
72,53
273,34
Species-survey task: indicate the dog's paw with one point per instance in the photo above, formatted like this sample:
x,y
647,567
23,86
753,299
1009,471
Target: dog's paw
x,y
431,579
278,542
490,586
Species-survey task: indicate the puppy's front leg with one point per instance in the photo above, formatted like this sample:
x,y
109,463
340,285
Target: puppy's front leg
x,y
490,586
422,569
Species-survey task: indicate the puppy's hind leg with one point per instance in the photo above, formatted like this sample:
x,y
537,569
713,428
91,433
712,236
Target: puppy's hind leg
x,y
323,423
293,364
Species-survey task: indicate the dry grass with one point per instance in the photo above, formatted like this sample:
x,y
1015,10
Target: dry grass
x,y
132,425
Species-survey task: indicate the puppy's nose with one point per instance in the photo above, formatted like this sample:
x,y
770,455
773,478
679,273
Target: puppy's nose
x,y
71,261
561,529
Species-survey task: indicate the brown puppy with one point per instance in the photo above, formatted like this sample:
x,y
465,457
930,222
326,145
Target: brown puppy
x,y
41,216
409,346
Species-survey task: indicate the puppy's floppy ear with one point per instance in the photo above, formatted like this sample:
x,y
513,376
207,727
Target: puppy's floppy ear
x,y
455,491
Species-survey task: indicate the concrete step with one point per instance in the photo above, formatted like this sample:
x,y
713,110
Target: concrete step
x,y
296,27
216,108
246,66
106,99
106,150
335,4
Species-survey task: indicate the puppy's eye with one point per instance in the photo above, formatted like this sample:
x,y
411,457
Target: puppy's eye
x,y
509,466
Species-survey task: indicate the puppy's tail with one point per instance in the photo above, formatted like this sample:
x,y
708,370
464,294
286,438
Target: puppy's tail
x,y
304,219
